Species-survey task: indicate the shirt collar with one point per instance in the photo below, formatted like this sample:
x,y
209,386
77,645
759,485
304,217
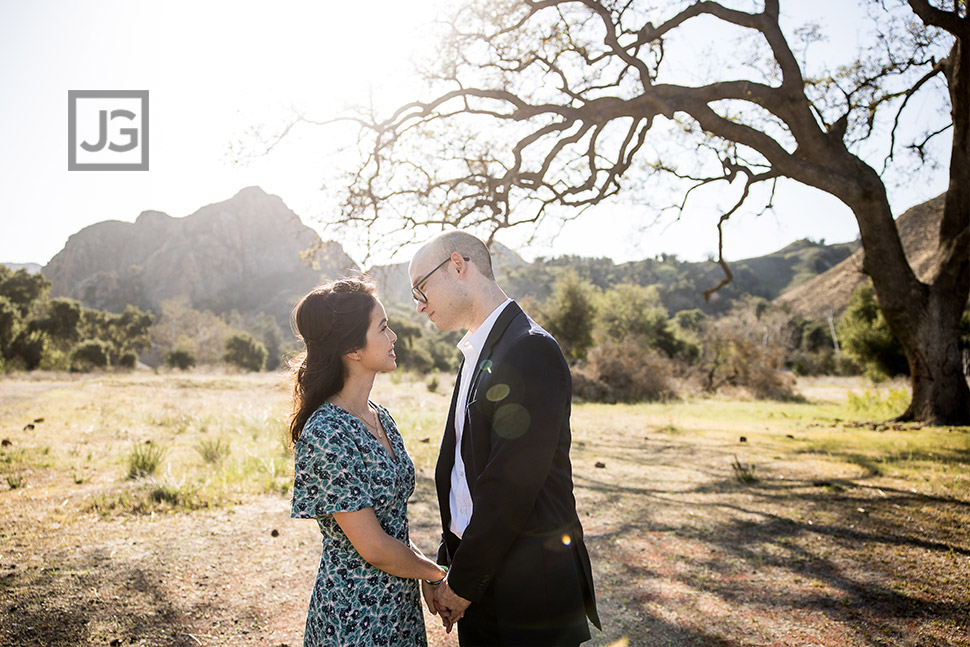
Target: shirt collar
x,y
471,344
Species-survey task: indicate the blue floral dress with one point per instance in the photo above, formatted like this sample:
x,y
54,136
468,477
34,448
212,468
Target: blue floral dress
x,y
341,467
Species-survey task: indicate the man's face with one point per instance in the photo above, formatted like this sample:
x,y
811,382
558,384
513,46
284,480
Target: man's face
x,y
433,289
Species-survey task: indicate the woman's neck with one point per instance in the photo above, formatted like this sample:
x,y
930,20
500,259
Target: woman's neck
x,y
356,390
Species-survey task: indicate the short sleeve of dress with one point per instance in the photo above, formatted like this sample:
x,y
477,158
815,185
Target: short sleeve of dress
x,y
329,472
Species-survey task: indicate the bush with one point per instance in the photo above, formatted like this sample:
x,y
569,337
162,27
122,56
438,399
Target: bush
x,y
212,452
54,359
245,352
627,371
866,338
180,359
128,359
89,355
28,348
144,459
746,349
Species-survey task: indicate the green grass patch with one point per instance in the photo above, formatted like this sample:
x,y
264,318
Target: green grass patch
x,y
878,404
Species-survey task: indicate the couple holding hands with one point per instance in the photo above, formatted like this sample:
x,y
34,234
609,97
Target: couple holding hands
x,y
511,568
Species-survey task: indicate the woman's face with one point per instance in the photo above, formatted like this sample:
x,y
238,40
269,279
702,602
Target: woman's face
x,y
378,352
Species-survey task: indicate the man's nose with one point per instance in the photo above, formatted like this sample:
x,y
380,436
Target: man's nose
x,y
420,306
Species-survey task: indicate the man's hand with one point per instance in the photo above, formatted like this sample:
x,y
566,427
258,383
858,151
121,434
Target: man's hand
x,y
450,605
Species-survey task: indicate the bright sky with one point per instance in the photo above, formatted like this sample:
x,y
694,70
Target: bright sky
x,y
216,68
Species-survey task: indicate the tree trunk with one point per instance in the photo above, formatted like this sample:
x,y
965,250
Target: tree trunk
x,y
940,392
923,316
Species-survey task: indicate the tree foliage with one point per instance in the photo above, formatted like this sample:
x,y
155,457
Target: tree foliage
x,y
22,288
245,352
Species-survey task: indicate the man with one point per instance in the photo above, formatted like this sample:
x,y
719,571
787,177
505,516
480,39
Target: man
x,y
519,570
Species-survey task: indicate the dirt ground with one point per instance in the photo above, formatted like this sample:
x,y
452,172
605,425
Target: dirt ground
x,y
813,552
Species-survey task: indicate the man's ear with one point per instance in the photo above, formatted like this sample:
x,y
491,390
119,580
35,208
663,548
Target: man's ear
x,y
460,264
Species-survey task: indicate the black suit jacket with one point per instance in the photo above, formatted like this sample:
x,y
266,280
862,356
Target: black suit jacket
x,y
522,556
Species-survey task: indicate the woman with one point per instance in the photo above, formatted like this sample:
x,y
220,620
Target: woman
x,y
354,476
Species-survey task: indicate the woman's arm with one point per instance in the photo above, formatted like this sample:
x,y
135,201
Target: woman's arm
x,y
383,551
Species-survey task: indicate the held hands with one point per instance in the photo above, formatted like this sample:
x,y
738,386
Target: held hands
x,y
441,600
449,604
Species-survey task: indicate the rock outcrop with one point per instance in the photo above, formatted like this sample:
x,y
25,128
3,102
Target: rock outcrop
x,y
249,253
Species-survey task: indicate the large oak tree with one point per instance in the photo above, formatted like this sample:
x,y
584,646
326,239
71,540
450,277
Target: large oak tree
x,y
542,108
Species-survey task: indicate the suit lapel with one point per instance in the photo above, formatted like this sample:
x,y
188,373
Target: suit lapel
x,y
511,311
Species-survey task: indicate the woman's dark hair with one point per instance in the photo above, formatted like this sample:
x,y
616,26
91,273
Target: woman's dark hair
x,y
331,320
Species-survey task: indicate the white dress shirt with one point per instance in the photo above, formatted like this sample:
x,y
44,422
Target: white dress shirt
x,y
460,498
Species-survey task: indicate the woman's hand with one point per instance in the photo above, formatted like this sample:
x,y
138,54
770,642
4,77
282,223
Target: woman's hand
x,y
427,590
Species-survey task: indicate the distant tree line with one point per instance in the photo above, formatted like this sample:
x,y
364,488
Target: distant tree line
x,y
39,332
625,347
621,340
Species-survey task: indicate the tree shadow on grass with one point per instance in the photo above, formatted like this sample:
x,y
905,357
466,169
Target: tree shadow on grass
x,y
848,557
91,600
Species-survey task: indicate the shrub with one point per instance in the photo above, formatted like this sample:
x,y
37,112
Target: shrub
x,y
89,355
872,404
746,349
144,459
627,371
744,473
54,359
128,359
180,359
866,338
212,452
244,351
569,314
432,383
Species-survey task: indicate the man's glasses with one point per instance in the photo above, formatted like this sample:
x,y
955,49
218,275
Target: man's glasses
x,y
416,292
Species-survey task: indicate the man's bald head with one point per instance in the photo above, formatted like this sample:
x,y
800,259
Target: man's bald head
x,y
445,244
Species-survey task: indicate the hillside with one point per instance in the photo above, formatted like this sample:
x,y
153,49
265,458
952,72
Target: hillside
x,y
829,292
242,254
682,284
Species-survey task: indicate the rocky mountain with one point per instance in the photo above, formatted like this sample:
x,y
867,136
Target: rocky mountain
x,y
829,292
244,254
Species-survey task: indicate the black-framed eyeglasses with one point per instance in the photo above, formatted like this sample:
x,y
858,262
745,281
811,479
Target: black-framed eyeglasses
x,y
416,292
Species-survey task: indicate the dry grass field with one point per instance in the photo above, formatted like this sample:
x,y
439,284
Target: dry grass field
x,y
821,527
